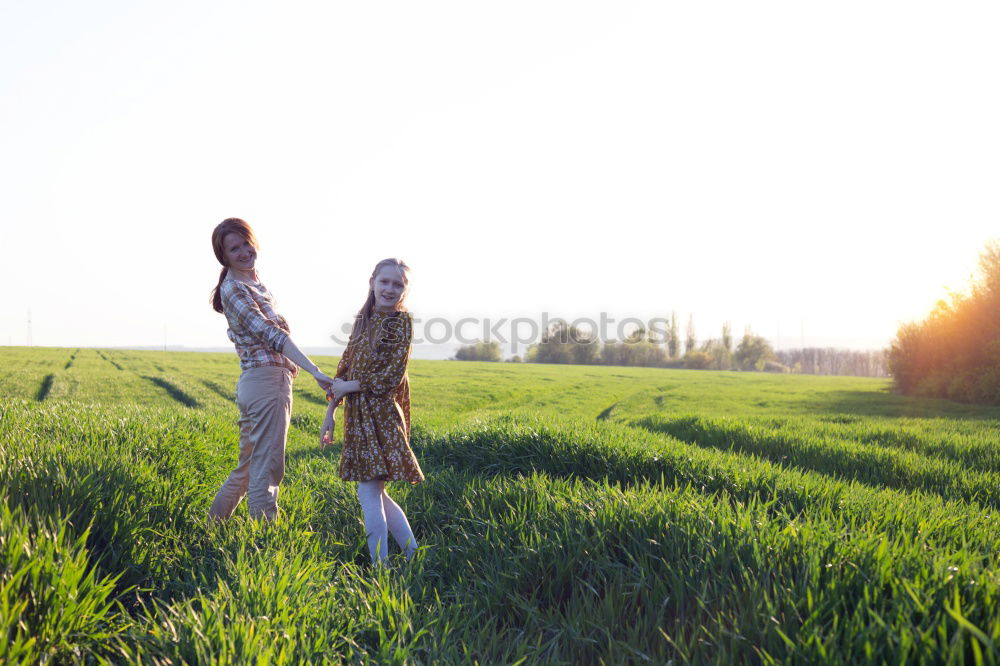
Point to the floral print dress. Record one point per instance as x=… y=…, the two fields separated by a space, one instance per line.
x=377 y=418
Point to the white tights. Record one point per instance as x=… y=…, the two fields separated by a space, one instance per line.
x=383 y=515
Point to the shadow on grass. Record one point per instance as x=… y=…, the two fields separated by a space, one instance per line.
x=606 y=414
x=496 y=449
x=493 y=450
x=118 y=367
x=851 y=404
x=844 y=460
x=43 y=390
x=743 y=469
x=309 y=397
x=219 y=391
x=174 y=392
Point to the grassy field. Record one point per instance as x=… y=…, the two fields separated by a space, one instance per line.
x=570 y=515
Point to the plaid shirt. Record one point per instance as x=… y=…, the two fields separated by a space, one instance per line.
x=258 y=332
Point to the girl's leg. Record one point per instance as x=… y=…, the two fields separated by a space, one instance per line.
x=398 y=526
x=370 y=496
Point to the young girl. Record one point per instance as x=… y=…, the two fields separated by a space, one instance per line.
x=371 y=379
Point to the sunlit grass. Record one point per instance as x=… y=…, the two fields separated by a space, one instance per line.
x=570 y=514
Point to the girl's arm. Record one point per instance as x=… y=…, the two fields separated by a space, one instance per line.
x=386 y=378
x=344 y=364
x=326 y=434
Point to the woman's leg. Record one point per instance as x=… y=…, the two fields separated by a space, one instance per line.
x=270 y=408
x=370 y=496
x=398 y=526
x=235 y=487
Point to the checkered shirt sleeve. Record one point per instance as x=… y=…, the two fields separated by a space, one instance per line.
x=258 y=332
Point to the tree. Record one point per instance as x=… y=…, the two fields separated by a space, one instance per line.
x=753 y=352
x=830 y=361
x=689 y=340
x=719 y=357
x=955 y=352
x=727 y=336
x=697 y=360
x=562 y=343
x=673 y=336
x=480 y=351
x=639 y=348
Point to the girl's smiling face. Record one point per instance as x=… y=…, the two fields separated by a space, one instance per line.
x=238 y=251
x=389 y=287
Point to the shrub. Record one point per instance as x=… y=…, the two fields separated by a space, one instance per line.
x=955 y=351
x=697 y=360
x=481 y=351
x=562 y=343
x=752 y=352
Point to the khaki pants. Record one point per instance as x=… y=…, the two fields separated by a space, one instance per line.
x=264 y=396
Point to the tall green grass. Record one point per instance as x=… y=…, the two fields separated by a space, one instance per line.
x=570 y=515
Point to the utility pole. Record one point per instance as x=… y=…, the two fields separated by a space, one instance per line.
x=29 y=327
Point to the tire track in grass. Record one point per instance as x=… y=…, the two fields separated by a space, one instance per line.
x=309 y=397
x=614 y=407
x=174 y=392
x=120 y=368
x=606 y=414
x=218 y=390
x=46 y=386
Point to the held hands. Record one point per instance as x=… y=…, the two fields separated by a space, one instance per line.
x=339 y=389
x=323 y=380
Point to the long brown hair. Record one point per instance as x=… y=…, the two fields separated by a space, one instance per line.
x=228 y=226
x=368 y=309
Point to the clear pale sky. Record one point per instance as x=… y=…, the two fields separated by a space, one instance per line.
x=818 y=171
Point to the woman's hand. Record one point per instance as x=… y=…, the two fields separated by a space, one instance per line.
x=323 y=380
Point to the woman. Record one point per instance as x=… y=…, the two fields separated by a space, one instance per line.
x=372 y=377
x=268 y=359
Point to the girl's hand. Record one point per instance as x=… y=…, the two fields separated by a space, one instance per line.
x=339 y=389
x=326 y=433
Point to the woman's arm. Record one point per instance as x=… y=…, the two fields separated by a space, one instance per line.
x=295 y=355
x=237 y=301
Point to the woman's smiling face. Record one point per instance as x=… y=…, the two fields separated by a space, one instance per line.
x=239 y=253
x=389 y=286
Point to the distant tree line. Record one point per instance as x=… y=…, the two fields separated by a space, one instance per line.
x=830 y=361
x=481 y=351
x=955 y=352
x=564 y=343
